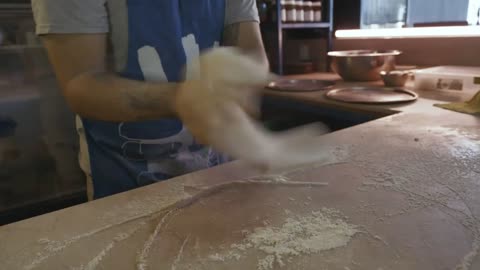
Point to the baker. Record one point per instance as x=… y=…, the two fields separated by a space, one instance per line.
x=130 y=134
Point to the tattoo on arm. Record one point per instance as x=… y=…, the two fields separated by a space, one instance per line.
x=146 y=101
x=140 y=102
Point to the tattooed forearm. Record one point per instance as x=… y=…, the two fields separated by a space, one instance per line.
x=149 y=99
x=140 y=101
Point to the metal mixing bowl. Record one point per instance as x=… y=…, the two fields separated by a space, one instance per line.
x=362 y=65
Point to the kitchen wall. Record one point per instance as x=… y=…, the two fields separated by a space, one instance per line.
x=423 y=52
x=418 y=52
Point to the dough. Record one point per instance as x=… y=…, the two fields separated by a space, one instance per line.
x=215 y=104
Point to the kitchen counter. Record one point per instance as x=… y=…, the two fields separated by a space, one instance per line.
x=400 y=192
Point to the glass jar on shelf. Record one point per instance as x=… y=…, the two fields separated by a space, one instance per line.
x=317 y=11
x=309 y=15
x=300 y=15
x=283 y=11
x=290 y=10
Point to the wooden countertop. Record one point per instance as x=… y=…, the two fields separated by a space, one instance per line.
x=409 y=183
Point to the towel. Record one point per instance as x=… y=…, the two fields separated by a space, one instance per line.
x=470 y=107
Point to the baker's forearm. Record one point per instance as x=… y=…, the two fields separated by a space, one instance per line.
x=247 y=37
x=108 y=97
x=93 y=92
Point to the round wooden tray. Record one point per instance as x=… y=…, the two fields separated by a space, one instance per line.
x=372 y=95
x=293 y=85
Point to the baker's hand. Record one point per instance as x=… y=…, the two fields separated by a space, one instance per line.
x=225 y=81
x=214 y=105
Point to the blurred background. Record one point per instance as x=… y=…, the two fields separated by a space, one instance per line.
x=39 y=170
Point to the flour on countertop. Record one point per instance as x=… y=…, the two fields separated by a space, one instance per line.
x=142 y=258
x=443 y=188
x=320 y=231
x=152 y=210
x=180 y=254
x=216 y=258
x=266 y=263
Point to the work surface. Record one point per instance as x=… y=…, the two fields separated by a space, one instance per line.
x=401 y=192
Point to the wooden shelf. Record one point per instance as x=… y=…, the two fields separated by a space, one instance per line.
x=306 y=25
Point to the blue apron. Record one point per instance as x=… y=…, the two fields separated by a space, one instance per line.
x=163 y=35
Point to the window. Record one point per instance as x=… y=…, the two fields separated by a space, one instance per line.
x=412 y=13
x=383 y=14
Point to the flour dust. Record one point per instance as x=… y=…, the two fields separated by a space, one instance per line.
x=320 y=231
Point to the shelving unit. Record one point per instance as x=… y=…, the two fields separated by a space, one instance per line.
x=281 y=27
x=305 y=25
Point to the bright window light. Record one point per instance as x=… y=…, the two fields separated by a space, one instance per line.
x=416 y=32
